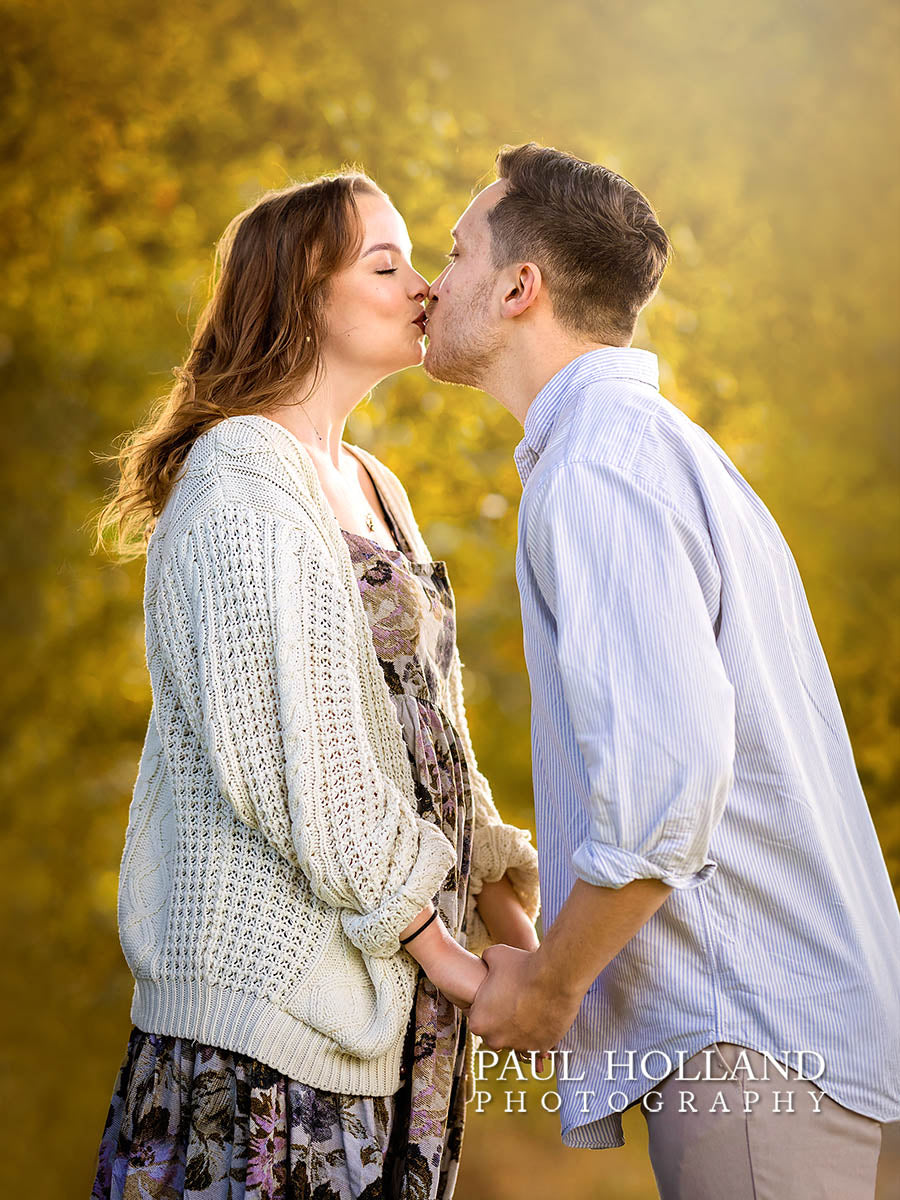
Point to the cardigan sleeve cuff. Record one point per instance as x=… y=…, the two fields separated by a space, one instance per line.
x=377 y=932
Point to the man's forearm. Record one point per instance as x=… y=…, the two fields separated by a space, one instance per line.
x=592 y=927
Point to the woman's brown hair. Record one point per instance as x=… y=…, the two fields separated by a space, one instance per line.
x=258 y=339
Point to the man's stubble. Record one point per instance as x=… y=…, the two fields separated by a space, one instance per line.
x=468 y=347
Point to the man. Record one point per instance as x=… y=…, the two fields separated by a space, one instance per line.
x=713 y=888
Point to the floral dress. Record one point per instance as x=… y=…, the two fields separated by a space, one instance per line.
x=188 y=1119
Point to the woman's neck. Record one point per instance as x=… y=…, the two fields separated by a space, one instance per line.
x=319 y=420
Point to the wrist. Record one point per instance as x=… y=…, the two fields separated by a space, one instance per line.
x=556 y=979
x=419 y=929
x=430 y=945
x=516 y=929
x=418 y=922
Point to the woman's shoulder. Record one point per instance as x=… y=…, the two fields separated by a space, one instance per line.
x=251 y=436
x=380 y=470
x=393 y=491
x=245 y=462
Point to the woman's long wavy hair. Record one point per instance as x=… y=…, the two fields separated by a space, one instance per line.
x=257 y=342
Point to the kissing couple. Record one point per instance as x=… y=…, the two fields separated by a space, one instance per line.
x=319 y=901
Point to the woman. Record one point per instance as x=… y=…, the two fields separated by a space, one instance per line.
x=311 y=854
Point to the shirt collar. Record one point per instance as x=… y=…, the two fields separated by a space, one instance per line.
x=609 y=362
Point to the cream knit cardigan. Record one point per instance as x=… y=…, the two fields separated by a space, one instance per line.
x=273 y=851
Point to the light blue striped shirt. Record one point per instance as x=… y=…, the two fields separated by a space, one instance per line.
x=685 y=727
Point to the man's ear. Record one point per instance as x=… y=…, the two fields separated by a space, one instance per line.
x=522 y=290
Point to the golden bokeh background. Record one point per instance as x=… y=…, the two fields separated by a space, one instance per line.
x=765 y=136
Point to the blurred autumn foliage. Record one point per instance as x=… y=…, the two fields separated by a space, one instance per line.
x=764 y=135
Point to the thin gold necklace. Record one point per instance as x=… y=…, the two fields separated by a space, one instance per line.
x=370 y=516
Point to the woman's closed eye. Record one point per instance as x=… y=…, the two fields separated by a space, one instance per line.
x=386 y=271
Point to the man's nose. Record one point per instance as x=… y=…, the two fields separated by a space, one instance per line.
x=434 y=288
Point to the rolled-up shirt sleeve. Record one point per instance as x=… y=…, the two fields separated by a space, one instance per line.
x=632 y=590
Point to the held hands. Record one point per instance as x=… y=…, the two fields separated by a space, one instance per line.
x=463 y=978
x=517 y=1006
x=453 y=969
x=513 y=930
x=531 y=1000
x=509 y=1002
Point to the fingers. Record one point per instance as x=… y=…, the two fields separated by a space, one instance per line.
x=486 y=955
x=536 y=1057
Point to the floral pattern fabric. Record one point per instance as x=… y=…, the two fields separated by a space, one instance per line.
x=196 y=1121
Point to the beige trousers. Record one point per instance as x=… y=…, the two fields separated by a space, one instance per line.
x=757 y=1149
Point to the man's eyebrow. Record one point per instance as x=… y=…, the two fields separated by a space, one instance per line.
x=454 y=233
x=382 y=246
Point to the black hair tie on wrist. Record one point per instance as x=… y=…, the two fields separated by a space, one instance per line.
x=403 y=941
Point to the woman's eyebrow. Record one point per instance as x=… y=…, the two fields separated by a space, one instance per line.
x=382 y=246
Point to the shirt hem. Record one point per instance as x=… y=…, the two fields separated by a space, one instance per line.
x=615 y=1138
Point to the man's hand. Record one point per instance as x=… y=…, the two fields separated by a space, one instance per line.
x=516 y=1007
x=529 y=1001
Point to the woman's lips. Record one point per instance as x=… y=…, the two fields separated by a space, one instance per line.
x=421 y=320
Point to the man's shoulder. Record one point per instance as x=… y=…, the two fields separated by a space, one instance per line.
x=640 y=442
x=629 y=428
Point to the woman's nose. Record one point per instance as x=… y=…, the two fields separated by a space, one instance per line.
x=421 y=286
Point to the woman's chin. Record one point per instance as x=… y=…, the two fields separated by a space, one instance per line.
x=410 y=355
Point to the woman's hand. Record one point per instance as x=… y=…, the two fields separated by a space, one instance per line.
x=459 y=976
x=453 y=970
x=505 y=918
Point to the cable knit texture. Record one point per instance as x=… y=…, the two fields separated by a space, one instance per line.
x=274 y=852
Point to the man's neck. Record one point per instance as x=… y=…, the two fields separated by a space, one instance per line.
x=519 y=374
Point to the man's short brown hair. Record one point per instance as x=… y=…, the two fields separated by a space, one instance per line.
x=594 y=236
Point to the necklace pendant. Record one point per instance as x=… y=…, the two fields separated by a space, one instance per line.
x=370 y=523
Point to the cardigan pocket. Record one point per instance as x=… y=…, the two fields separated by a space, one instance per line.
x=297 y=1001
x=364 y=1005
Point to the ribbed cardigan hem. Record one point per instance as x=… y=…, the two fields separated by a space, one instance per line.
x=245 y=1024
